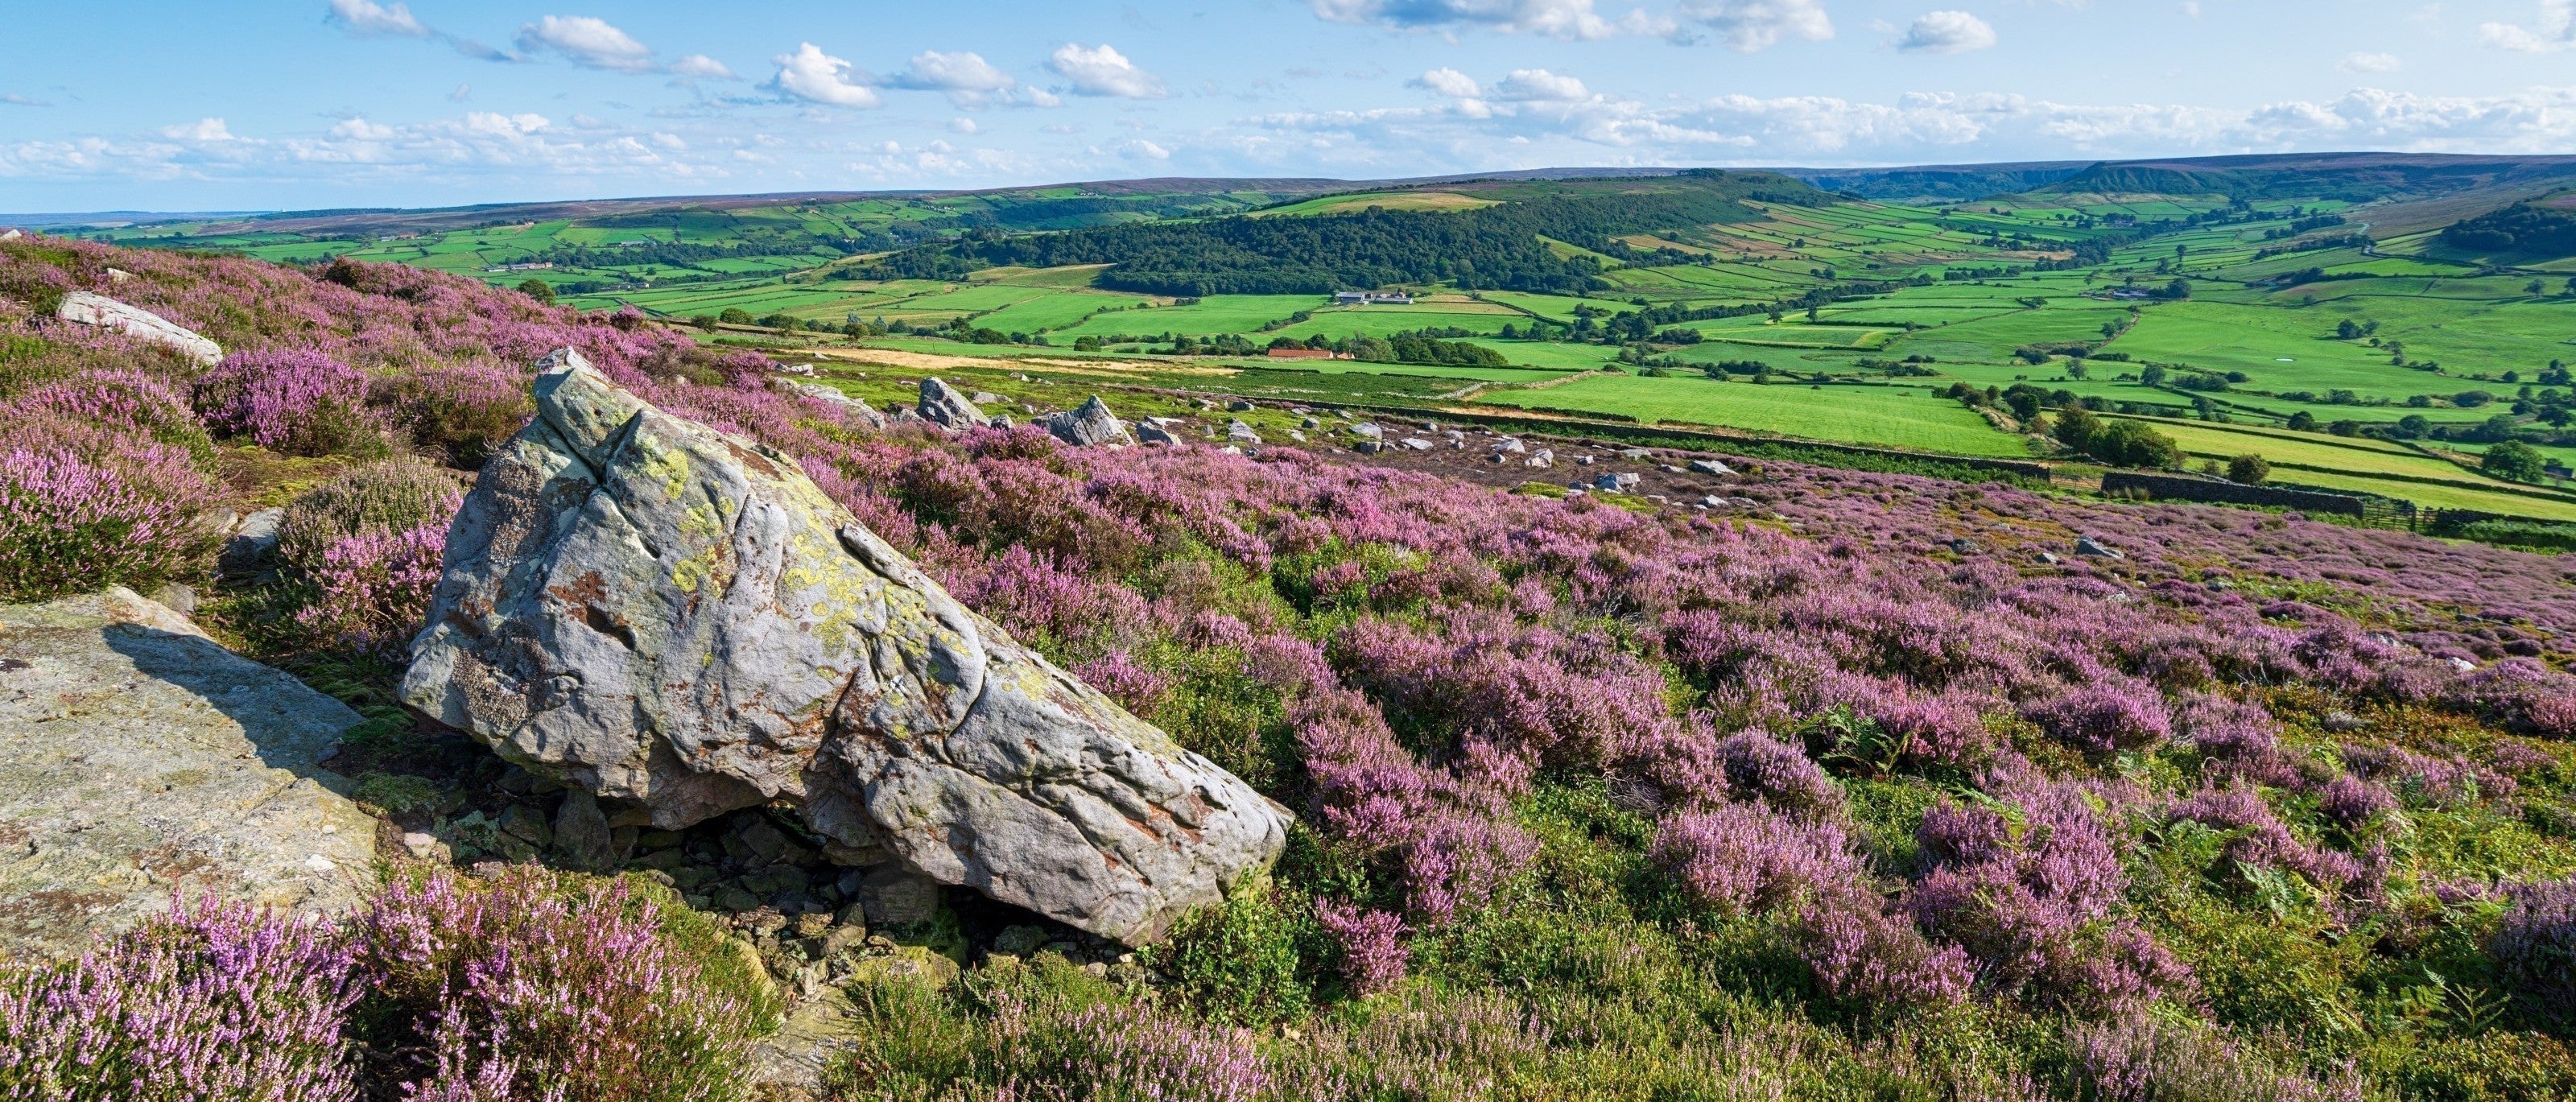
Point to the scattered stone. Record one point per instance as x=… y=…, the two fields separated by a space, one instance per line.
x=523 y=823
x=2089 y=547
x=1710 y=467
x=1507 y=444
x=2048 y=558
x=1417 y=443
x=120 y=275
x=940 y=405
x=1542 y=458
x=1152 y=432
x=1019 y=941
x=1238 y=406
x=1367 y=430
x=600 y=620
x=1089 y=424
x=425 y=847
x=2463 y=665
x=986 y=398
x=1638 y=454
x=1668 y=468
x=1368 y=447
x=1310 y=423
x=1230 y=450
x=178 y=597
x=1583 y=460
x=1965 y=546
x=1241 y=433
x=84 y=308
x=142 y=759
x=581 y=835
x=1298 y=435
x=11 y=234
x=1616 y=482
x=251 y=544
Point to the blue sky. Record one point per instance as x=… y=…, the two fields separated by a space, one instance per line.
x=327 y=103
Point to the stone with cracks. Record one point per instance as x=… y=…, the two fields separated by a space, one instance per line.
x=1088 y=424
x=941 y=403
x=679 y=620
x=133 y=321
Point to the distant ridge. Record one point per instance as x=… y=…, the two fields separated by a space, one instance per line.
x=2360 y=176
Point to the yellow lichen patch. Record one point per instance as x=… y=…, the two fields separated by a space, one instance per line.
x=662 y=463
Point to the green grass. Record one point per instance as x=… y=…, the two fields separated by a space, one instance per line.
x=1214 y=315
x=1900 y=417
x=2350 y=464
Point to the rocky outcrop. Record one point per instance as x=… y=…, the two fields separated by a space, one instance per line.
x=1088 y=424
x=107 y=313
x=941 y=404
x=677 y=619
x=139 y=758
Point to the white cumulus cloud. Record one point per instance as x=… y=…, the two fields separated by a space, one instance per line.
x=1103 y=71
x=701 y=67
x=588 y=40
x=965 y=76
x=1449 y=82
x=1567 y=19
x=2369 y=63
x=202 y=130
x=1751 y=25
x=812 y=75
x=366 y=17
x=2557 y=30
x=1947 y=32
x=1541 y=85
x=1138 y=149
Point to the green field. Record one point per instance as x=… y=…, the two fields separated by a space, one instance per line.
x=1899 y=417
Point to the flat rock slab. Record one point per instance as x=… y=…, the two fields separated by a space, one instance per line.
x=138 y=757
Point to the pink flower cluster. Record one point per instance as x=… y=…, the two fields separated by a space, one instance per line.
x=214 y=1001
x=373 y=589
x=296 y=401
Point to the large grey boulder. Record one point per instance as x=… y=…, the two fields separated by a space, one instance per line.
x=941 y=403
x=1088 y=424
x=106 y=313
x=139 y=759
x=677 y=619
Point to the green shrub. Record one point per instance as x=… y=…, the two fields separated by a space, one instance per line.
x=393 y=496
x=1237 y=961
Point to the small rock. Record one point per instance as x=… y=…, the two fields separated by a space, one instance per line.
x=2048 y=558
x=525 y=824
x=581 y=832
x=178 y=598
x=733 y=898
x=2091 y=548
x=1668 y=468
x=1418 y=444
x=1368 y=447
x=892 y=897
x=1238 y=406
x=2463 y=665
x=1965 y=546
x=1019 y=940
x=1310 y=423
x=1638 y=454
x=424 y=847
x=941 y=404
x=1583 y=460
x=1241 y=433
x=1710 y=467
x=1298 y=435
x=252 y=543
x=986 y=398
x=1367 y=430
x=1090 y=423
x=1151 y=433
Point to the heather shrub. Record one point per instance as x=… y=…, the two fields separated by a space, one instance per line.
x=296 y=402
x=1237 y=961
x=70 y=524
x=2145 y=1058
x=124 y=401
x=1780 y=774
x=392 y=497
x=1874 y=960
x=212 y=1002
x=561 y=989
x=2535 y=948
x=371 y=591
x=463 y=410
x=1747 y=859
x=1371 y=945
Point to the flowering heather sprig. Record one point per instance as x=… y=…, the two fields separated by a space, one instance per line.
x=1124 y=1050
x=1372 y=944
x=2349 y=801
x=372 y=589
x=124 y=401
x=298 y=402
x=2535 y=949
x=215 y=1003
x=69 y=524
x=569 y=984
x=2141 y=1058
x=1745 y=858
x=1864 y=955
